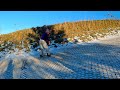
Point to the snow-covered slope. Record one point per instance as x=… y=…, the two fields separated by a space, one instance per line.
x=68 y=61
x=52 y=48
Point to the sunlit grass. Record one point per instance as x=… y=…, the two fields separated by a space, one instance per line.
x=83 y=29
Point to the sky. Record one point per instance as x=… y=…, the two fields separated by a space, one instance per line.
x=11 y=21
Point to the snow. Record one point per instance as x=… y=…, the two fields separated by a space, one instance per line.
x=54 y=50
x=33 y=55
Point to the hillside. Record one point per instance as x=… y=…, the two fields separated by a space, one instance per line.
x=86 y=30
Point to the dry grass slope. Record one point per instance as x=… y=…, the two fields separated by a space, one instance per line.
x=83 y=29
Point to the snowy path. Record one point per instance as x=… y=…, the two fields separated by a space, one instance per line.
x=84 y=61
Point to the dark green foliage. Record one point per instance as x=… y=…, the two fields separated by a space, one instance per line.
x=59 y=40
